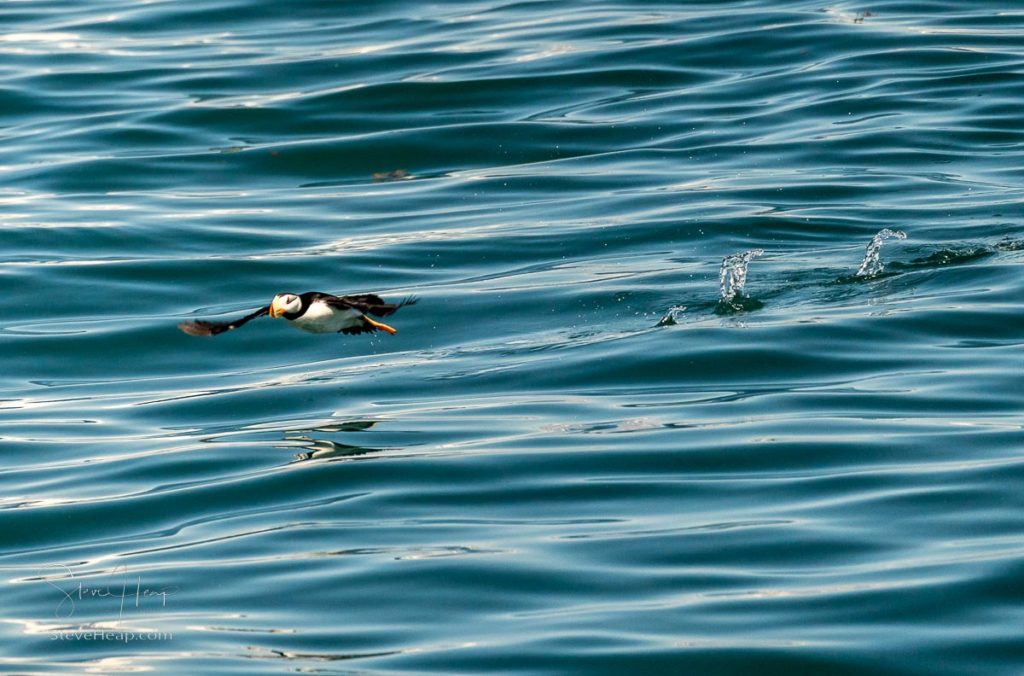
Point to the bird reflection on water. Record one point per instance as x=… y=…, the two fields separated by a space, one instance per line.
x=321 y=448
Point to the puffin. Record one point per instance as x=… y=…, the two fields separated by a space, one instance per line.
x=315 y=312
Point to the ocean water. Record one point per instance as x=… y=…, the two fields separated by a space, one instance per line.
x=574 y=456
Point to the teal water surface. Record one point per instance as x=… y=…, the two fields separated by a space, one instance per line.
x=572 y=458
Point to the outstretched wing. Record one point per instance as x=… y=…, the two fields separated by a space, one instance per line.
x=205 y=328
x=368 y=303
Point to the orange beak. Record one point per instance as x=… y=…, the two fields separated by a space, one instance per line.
x=274 y=312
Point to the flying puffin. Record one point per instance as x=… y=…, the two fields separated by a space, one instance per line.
x=315 y=312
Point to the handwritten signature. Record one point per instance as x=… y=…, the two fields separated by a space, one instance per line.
x=129 y=593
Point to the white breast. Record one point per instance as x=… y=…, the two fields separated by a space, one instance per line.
x=322 y=318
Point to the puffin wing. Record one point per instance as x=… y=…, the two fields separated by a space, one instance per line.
x=205 y=328
x=367 y=303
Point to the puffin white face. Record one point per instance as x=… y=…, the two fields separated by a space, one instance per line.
x=284 y=303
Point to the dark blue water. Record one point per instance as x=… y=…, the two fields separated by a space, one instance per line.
x=572 y=458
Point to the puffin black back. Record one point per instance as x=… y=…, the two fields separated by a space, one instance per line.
x=368 y=303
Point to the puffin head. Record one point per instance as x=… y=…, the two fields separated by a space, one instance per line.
x=284 y=303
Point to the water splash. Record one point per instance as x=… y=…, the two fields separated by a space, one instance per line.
x=872 y=264
x=673 y=316
x=732 y=276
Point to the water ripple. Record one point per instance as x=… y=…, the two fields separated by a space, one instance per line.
x=573 y=457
